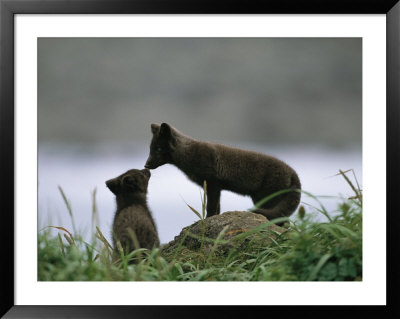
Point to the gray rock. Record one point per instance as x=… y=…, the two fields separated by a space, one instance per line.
x=232 y=228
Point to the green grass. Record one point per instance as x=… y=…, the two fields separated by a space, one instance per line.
x=307 y=251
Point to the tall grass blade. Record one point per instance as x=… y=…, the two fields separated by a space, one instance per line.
x=194 y=211
x=100 y=236
x=260 y=227
x=66 y=201
x=61 y=244
x=269 y=197
x=70 y=240
x=206 y=239
x=60 y=228
x=95 y=215
x=318 y=267
x=178 y=250
x=213 y=249
x=355 y=178
x=204 y=203
x=136 y=244
x=358 y=194
x=322 y=210
x=339 y=228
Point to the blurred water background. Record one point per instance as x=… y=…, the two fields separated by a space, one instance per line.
x=299 y=99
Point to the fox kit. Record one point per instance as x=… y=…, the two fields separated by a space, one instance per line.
x=226 y=168
x=132 y=212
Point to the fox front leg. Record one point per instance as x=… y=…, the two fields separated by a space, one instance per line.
x=213 y=199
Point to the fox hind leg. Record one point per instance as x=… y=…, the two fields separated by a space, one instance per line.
x=281 y=206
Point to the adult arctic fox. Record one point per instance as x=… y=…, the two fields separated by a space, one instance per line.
x=226 y=168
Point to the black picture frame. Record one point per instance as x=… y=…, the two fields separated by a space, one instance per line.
x=8 y=8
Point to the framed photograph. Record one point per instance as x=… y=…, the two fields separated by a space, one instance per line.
x=99 y=98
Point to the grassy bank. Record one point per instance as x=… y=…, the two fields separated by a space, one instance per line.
x=307 y=250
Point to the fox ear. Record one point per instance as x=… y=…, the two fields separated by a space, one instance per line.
x=113 y=185
x=165 y=130
x=155 y=128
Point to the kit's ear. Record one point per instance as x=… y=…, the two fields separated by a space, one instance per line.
x=165 y=130
x=155 y=128
x=113 y=185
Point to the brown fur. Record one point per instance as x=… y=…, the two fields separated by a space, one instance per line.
x=226 y=168
x=132 y=212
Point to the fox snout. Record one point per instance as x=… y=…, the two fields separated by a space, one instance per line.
x=146 y=172
x=150 y=163
x=147 y=166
